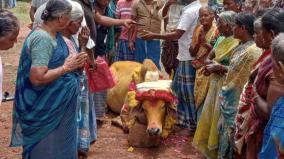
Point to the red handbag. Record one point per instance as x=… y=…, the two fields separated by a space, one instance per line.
x=101 y=77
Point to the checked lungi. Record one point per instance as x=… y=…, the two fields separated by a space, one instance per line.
x=183 y=87
x=123 y=53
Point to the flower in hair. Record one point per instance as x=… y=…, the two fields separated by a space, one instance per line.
x=45 y=12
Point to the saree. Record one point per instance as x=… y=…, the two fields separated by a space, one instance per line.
x=201 y=81
x=110 y=12
x=238 y=73
x=273 y=138
x=86 y=116
x=112 y=31
x=206 y=135
x=87 y=125
x=44 y=118
x=256 y=123
x=245 y=104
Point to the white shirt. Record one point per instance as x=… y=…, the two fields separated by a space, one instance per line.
x=187 y=23
x=174 y=14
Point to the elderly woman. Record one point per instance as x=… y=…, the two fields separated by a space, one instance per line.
x=203 y=40
x=242 y=60
x=253 y=110
x=44 y=116
x=206 y=135
x=9 y=30
x=86 y=110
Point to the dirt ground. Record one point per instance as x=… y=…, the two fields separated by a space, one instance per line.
x=111 y=142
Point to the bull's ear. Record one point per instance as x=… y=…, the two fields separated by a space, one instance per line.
x=170 y=120
x=170 y=109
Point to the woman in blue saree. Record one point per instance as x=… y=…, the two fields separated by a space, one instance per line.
x=44 y=115
x=87 y=128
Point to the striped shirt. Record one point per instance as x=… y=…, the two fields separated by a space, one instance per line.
x=123 y=11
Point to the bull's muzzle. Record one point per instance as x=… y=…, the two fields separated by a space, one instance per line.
x=154 y=131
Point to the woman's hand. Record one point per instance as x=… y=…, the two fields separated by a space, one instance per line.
x=40 y=75
x=84 y=36
x=213 y=67
x=91 y=59
x=208 y=69
x=75 y=61
x=207 y=61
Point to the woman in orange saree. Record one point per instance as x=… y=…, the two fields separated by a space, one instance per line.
x=203 y=40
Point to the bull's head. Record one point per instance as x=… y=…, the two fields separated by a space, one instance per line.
x=155 y=112
x=156 y=106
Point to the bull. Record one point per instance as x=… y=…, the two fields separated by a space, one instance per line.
x=148 y=111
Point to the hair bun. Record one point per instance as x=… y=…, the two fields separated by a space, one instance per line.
x=44 y=15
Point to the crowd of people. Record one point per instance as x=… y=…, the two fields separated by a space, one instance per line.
x=226 y=60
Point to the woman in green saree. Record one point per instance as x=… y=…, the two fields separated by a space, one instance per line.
x=206 y=135
x=241 y=64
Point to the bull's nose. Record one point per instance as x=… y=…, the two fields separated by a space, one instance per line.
x=154 y=131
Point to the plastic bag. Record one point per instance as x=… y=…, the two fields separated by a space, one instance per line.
x=101 y=77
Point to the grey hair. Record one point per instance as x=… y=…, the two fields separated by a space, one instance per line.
x=77 y=11
x=278 y=48
x=210 y=9
x=8 y=23
x=55 y=9
x=228 y=17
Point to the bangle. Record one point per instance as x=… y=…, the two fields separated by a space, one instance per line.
x=64 y=69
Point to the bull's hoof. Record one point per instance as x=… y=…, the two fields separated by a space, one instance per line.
x=118 y=123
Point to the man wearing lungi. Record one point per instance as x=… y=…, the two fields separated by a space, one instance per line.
x=183 y=84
